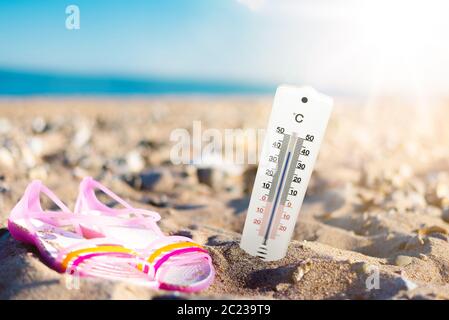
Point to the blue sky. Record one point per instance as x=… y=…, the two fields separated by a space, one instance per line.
x=345 y=45
x=197 y=38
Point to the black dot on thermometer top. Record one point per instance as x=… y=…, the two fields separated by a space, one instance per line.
x=304 y=100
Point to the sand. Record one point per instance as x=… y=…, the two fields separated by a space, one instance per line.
x=377 y=203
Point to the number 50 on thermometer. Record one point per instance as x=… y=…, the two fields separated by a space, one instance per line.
x=295 y=129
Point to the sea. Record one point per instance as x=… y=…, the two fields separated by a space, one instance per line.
x=29 y=83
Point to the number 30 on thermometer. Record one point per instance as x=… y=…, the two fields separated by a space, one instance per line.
x=295 y=129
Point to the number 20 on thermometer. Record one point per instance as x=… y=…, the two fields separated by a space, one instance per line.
x=295 y=129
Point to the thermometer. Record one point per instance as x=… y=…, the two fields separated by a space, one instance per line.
x=295 y=129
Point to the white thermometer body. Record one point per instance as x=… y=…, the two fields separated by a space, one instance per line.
x=295 y=129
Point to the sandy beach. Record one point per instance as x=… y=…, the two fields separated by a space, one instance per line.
x=378 y=200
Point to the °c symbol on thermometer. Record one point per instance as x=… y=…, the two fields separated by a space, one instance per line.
x=299 y=117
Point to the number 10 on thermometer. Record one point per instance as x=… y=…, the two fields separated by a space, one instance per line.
x=295 y=129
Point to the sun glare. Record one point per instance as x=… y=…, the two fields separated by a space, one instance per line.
x=402 y=25
x=402 y=35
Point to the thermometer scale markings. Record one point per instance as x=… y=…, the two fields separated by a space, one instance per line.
x=285 y=170
x=276 y=200
x=300 y=116
x=291 y=172
x=274 y=187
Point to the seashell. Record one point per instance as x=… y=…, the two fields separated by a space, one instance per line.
x=5 y=126
x=47 y=145
x=79 y=172
x=390 y=236
x=304 y=267
x=402 y=261
x=38 y=173
x=281 y=287
x=39 y=125
x=397 y=181
x=6 y=158
x=445 y=202
x=28 y=157
x=426 y=231
x=298 y=274
x=438 y=190
x=135 y=161
x=442 y=190
x=366 y=267
x=362 y=267
x=423 y=257
x=416 y=200
x=82 y=135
